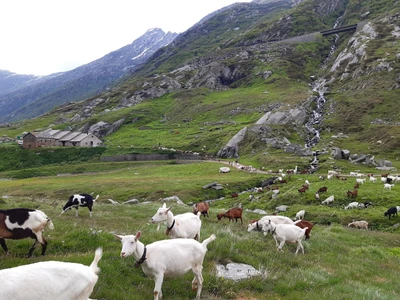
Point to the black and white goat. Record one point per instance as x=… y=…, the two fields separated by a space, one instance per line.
x=19 y=223
x=76 y=200
x=50 y=280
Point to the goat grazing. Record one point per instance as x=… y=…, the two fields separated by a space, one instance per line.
x=257 y=225
x=304 y=224
x=167 y=257
x=359 y=224
x=233 y=213
x=328 y=200
x=185 y=225
x=285 y=233
x=50 y=280
x=84 y=200
x=323 y=189
x=351 y=205
x=201 y=207
x=352 y=194
x=391 y=211
x=19 y=223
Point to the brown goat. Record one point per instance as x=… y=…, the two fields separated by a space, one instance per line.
x=304 y=224
x=202 y=207
x=303 y=189
x=323 y=189
x=233 y=213
x=352 y=194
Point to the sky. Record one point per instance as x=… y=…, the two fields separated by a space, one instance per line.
x=42 y=37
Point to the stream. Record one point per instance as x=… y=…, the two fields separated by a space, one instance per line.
x=316 y=116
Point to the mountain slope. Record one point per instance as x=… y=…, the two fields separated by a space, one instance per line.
x=240 y=94
x=81 y=83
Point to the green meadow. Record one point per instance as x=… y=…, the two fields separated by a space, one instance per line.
x=339 y=262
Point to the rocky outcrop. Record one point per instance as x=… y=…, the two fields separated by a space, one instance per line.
x=231 y=149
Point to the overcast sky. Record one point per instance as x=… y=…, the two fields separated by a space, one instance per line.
x=41 y=37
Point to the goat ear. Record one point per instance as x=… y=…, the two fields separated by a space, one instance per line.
x=138 y=235
x=118 y=237
x=164 y=205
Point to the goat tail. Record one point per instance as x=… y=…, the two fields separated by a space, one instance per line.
x=96 y=198
x=209 y=240
x=97 y=256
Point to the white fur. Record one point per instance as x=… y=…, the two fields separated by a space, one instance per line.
x=328 y=200
x=388 y=186
x=186 y=225
x=273 y=218
x=282 y=233
x=359 y=224
x=168 y=258
x=300 y=214
x=352 y=205
x=361 y=180
x=50 y=280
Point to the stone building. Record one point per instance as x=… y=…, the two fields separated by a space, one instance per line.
x=60 y=138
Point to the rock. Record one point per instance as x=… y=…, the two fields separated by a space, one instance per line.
x=231 y=149
x=346 y=154
x=132 y=201
x=337 y=153
x=173 y=198
x=385 y=163
x=207 y=186
x=224 y=170
x=236 y=272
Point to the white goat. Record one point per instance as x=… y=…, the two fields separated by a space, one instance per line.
x=328 y=200
x=359 y=224
x=361 y=180
x=50 y=280
x=185 y=225
x=387 y=186
x=352 y=205
x=282 y=233
x=372 y=179
x=300 y=214
x=167 y=257
x=276 y=219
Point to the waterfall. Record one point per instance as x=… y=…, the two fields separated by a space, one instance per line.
x=316 y=116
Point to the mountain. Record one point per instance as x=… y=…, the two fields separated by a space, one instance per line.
x=254 y=80
x=10 y=82
x=28 y=96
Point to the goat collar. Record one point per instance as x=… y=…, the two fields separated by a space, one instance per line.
x=142 y=259
x=258 y=227
x=274 y=230
x=173 y=224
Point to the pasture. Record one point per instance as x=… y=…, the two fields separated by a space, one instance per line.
x=339 y=262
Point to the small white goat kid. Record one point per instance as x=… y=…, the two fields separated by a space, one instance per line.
x=167 y=258
x=50 y=280
x=185 y=225
x=285 y=233
x=300 y=214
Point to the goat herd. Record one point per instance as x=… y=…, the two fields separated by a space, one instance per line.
x=173 y=257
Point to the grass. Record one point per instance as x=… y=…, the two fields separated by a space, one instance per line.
x=340 y=262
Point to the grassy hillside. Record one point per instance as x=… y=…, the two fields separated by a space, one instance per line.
x=339 y=262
